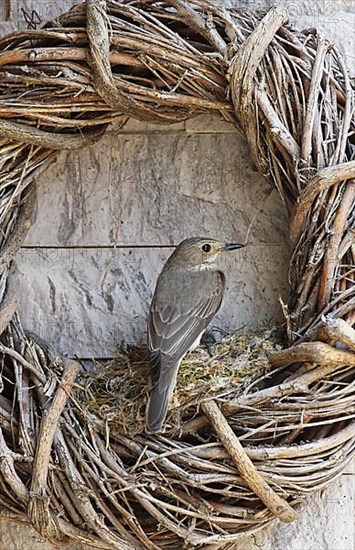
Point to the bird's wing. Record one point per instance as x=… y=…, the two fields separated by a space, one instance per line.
x=171 y=331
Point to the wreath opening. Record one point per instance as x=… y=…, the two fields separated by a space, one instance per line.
x=237 y=461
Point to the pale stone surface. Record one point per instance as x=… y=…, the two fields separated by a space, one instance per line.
x=85 y=302
x=156 y=189
x=326 y=522
x=146 y=189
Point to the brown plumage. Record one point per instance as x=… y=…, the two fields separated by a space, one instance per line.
x=188 y=294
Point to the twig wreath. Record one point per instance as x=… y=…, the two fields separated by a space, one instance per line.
x=237 y=463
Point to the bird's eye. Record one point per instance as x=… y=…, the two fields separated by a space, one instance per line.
x=206 y=248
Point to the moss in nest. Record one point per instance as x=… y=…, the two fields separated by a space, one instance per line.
x=117 y=392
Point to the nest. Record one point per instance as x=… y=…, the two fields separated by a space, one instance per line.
x=233 y=457
x=117 y=392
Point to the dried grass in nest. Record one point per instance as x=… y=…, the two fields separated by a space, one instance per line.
x=236 y=461
x=117 y=392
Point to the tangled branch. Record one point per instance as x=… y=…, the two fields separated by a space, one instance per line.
x=242 y=459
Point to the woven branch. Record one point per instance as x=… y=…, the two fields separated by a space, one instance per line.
x=238 y=461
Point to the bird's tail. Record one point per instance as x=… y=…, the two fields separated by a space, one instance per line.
x=157 y=408
x=159 y=398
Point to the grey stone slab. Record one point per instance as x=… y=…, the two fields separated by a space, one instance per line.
x=154 y=189
x=6 y=26
x=133 y=126
x=205 y=124
x=84 y=302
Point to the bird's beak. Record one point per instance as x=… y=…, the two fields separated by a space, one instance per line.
x=231 y=246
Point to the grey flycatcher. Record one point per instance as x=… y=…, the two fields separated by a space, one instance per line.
x=187 y=295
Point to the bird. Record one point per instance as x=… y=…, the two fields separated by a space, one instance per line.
x=188 y=293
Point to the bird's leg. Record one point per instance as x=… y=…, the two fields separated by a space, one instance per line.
x=209 y=339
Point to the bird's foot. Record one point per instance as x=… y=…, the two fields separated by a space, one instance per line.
x=209 y=339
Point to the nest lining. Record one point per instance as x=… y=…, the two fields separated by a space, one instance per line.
x=117 y=392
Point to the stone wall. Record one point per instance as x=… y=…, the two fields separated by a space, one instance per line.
x=107 y=219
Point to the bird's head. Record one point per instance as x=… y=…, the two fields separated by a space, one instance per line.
x=200 y=252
